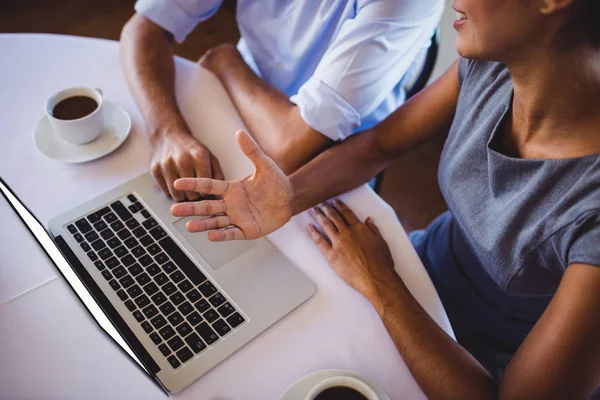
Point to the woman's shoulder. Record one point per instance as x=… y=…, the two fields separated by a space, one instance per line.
x=471 y=71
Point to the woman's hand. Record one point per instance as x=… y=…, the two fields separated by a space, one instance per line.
x=248 y=208
x=356 y=251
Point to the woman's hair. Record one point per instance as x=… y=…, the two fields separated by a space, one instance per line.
x=589 y=14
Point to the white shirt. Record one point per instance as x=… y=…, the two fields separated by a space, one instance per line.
x=343 y=63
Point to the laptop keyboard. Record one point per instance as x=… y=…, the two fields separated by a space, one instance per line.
x=173 y=301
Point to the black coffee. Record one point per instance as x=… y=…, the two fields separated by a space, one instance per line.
x=74 y=107
x=340 y=393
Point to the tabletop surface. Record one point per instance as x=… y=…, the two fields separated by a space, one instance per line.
x=51 y=347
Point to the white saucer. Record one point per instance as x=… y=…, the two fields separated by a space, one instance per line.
x=302 y=386
x=117 y=125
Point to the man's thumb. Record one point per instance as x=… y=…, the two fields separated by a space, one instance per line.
x=251 y=149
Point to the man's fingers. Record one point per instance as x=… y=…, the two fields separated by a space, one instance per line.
x=205 y=207
x=253 y=151
x=202 y=185
x=231 y=233
x=325 y=223
x=160 y=181
x=346 y=212
x=217 y=171
x=372 y=227
x=318 y=238
x=171 y=176
x=334 y=216
x=201 y=225
x=186 y=170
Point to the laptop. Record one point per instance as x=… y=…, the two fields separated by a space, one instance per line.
x=175 y=302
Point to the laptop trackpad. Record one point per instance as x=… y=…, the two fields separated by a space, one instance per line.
x=217 y=254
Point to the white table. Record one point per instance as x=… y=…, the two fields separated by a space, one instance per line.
x=51 y=348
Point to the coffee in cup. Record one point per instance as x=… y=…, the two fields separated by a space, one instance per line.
x=340 y=393
x=342 y=388
x=75 y=114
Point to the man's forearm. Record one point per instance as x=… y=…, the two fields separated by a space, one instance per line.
x=442 y=368
x=149 y=67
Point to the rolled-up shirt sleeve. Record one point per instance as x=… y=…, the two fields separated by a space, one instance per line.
x=179 y=17
x=365 y=62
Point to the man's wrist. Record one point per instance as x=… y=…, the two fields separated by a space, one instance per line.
x=385 y=292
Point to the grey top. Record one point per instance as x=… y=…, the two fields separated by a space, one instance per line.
x=524 y=220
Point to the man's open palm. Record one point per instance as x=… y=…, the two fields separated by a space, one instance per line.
x=249 y=208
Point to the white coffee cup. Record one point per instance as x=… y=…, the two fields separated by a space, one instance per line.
x=82 y=130
x=346 y=381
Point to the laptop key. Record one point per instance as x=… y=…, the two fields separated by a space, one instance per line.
x=146 y=214
x=177 y=298
x=185 y=354
x=235 y=320
x=112 y=262
x=158 y=233
x=139 y=232
x=122 y=295
x=184 y=286
x=153 y=269
x=93 y=218
x=146 y=240
x=211 y=316
x=138 y=251
x=110 y=217
x=164 y=349
x=131 y=198
x=226 y=310
x=143 y=279
x=103 y=211
x=175 y=319
x=138 y=206
x=83 y=226
x=117 y=226
x=182 y=260
x=130 y=242
x=126 y=281
x=193 y=295
x=100 y=226
x=155 y=338
x=99 y=265
x=150 y=311
x=124 y=234
x=107 y=275
x=202 y=305
x=158 y=298
x=119 y=272
x=107 y=234
x=135 y=269
x=145 y=260
x=207 y=289
x=177 y=276
x=195 y=343
x=167 y=332
x=114 y=284
x=133 y=208
x=85 y=247
x=184 y=329
x=132 y=223
x=105 y=253
x=128 y=260
x=129 y=304
x=149 y=223
x=221 y=327
x=175 y=343
x=167 y=308
x=121 y=251
x=217 y=300
x=194 y=318
x=173 y=361
x=98 y=245
x=147 y=327
x=134 y=291
x=142 y=301
x=207 y=333
x=169 y=267
x=161 y=278
x=151 y=288
x=78 y=237
x=161 y=258
x=153 y=249
x=92 y=255
x=185 y=308
x=139 y=317
x=158 y=322
x=91 y=236
x=121 y=211
x=71 y=228
x=169 y=288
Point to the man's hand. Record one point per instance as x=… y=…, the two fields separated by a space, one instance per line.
x=180 y=155
x=356 y=251
x=249 y=208
x=220 y=57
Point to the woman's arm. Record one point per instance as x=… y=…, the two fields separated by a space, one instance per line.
x=559 y=359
